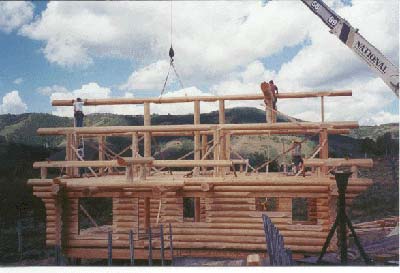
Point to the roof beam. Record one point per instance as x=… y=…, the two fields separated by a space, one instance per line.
x=287 y=95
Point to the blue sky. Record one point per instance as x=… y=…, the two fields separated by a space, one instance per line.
x=119 y=49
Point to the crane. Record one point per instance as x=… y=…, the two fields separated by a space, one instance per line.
x=357 y=43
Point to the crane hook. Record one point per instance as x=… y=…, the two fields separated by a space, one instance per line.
x=171 y=53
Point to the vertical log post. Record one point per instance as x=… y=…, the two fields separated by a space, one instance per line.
x=58 y=220
x=324 y=153
x=354 y=170
x=146 y=213
x=162 y=244
x=216 y=149
x=43 y=172
x=197 y=209
x=204 y=140
x=228 y=146
x=322 y=109
x=68 y=154
x=150 y=247
x=132 y=247
x=135 y=149
x=147 y=135
x=196 y=120
x=222 y=140
x=109 y=241
x=101 y=140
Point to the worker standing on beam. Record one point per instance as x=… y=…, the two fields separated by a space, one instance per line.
x=78 y=112
x=274 y=90
x=297 y=158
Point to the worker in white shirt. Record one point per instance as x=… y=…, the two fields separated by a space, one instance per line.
x=78 y=112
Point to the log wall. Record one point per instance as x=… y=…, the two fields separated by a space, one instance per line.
x=229 y=219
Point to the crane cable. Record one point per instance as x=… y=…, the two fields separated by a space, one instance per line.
x=171 y=54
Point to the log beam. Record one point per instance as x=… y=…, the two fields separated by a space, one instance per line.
x=285 y=95
x=201 y=127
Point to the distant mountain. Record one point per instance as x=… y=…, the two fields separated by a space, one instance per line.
x=373 y=132
x=22 y=128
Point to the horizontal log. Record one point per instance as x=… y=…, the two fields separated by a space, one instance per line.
x=192 y=163
x=246 y=232
x=124 y=161
x=294 y=189
x=236 y=207
x=246 y=220
x=290 y=125
x=130 y=207
x=119 y=101
x=248 y=226
x=271 y=214
x=197 y=127
x=245 y=239
x=339 y=162
x=109 y=194
x=88 y=163
x=262 y=180
x=242 y=246
x=289 y=132
x=235 y=132
x=39 y=182
x=198 y=245
x=230 y=201
x=105 y=183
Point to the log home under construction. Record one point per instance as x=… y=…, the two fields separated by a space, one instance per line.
x=229 y=196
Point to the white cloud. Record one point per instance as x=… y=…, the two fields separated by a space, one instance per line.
x=18 y=81
x=13 y=104
x=184 y=108
x=14 y=14
x=48 y=90
x=216 y=38
x=149 y=77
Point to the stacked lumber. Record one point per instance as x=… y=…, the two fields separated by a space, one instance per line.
x=385 y=224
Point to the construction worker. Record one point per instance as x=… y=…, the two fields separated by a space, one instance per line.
x=78 y=112
x=296 y=156
x=274 y=90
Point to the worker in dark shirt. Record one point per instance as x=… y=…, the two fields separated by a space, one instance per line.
x=296 y=156
x=274 y=90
